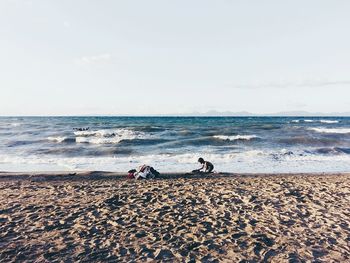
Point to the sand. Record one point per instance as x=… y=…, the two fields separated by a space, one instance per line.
x=178 y=218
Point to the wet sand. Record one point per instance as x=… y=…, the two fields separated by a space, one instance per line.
x=178 y=218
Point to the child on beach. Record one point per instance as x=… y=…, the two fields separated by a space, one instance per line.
x=207 y=167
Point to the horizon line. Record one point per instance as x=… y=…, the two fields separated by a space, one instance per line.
x=174 y=115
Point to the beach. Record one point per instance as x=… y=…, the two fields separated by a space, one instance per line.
x=100 y=216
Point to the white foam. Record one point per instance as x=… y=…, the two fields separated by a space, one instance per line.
x=329 y=121
x=309 y=121
x=235 y=137
x=253 y=161
x=57 y=139
x=296 y=121
x=328 y=130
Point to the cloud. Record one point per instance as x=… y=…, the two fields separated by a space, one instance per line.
x=299 y=84
x=97 y=59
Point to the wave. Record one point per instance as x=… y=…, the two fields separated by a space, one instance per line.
x=150 y=129
x=303 y=140
x=20 y=143
x=108 y=136
x=107 y=133
x=98 y=140
x=307 y=120
x=321 y=121
x=333 y=130
x=333 y=150
x=212 y=141
x=329 y=121
x=235 y=137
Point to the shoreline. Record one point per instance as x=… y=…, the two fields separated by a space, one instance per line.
x=108 y=175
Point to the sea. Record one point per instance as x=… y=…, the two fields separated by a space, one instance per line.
x=174 y=144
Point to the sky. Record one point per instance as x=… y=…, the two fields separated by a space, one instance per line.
x=93 y=57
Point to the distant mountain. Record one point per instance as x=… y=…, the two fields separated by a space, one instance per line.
x=218 y=113
x=249 y=114
x=305 y=113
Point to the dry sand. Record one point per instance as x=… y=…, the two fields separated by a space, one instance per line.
x=218 y=218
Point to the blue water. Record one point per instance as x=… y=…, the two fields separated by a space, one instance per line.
x=233 y=144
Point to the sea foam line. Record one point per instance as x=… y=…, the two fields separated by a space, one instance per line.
x=329 y=121
x=251 y=161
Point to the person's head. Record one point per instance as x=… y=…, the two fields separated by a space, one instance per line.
x=201 y=160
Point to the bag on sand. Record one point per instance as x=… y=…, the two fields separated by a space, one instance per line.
x=154 y=172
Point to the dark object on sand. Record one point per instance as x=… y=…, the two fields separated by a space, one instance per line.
x=155 y=172
x=81 y=129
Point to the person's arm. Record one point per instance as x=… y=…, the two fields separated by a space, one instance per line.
x=198 y=170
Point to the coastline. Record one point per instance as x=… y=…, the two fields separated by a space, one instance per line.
x=109 y=175
x=102 y=216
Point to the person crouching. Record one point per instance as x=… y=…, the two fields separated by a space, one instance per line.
x=207 y=167
x=144 y=172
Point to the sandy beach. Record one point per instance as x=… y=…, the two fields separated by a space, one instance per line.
x=178 y=218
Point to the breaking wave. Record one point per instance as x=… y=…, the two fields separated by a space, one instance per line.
x=311 y=121
x=329 y=130
x=329 y=121
x=108 y=136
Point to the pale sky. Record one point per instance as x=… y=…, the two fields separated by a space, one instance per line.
x=78 y=57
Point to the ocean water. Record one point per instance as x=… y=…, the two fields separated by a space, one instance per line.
x=173 y=144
